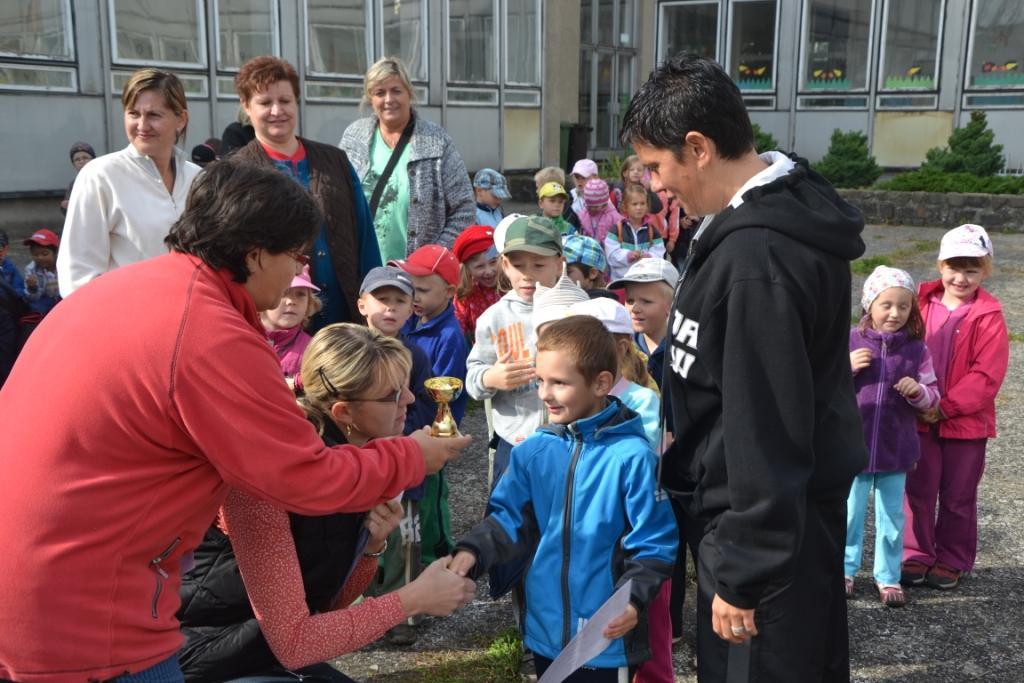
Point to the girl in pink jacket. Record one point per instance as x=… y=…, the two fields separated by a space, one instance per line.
x=598 y=216
x=966 y=334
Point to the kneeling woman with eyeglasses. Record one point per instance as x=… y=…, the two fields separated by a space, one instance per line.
x=301 y=573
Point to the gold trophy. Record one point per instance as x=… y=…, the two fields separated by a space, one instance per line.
x=444 y=390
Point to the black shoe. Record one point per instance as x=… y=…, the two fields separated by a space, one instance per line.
x=913 y=573
x=401 y=635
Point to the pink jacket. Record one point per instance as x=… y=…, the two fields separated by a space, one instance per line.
x=599 y=225
x=134 y=406
x=981 y=353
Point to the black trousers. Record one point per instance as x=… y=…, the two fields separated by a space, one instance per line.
x=689 y=537
x=584 y=674
x=802 y=626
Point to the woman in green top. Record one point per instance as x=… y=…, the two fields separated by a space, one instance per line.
x=427 y=197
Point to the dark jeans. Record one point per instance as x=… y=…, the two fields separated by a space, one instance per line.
x=689 y=537
x=802 y=627
x=585 y=674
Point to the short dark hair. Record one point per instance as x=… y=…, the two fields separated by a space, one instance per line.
x=234 y=207
x=586 y=340
x=689 y=93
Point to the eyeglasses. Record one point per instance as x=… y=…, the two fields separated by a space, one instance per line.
x=392 y=398
x=395 y=398
x=301 y=258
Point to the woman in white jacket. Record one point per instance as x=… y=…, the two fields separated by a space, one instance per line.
x=124 y=203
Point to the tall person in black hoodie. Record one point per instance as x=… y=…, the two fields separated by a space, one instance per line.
x=767 y=433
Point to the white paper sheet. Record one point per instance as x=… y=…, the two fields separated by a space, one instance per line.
x=589 y=642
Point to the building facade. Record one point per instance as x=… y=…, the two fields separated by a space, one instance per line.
x=506 y=77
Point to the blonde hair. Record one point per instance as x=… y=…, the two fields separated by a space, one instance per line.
x=628 y=163
x=314 y=306
x=383 y=69
x=344 y=361
x=633 y=363
x=466 y=284
x=163 y=82
x=549 y=174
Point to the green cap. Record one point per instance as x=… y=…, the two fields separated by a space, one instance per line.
x=533 y=234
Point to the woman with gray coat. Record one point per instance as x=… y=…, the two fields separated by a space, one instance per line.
x=426 y=196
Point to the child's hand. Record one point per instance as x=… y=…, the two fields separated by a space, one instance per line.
x=860 y=359
x=635 y=256
x=380 y=522
x=622 y=624
x=506 y=375
x=437 y=591
x=462 y=563
x=31 y=282
x=931 y=416
x=670 y=246
x=907 y=388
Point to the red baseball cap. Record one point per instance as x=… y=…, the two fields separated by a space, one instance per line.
x=431 y=259
x=43 y=238
x=472 y=241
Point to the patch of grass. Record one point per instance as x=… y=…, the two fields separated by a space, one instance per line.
x=1017 y=336
x=864 y=266
x=498 y=663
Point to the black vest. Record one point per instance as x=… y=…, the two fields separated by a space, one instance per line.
x=222 y=637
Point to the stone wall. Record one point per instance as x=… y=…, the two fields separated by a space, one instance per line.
x=999 y=212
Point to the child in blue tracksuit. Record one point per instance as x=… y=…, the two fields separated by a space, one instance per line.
x=580 y=498
x=434 y=328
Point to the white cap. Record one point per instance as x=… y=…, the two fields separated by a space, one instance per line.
x=553 y=303
x=501 y=228
x=648 y=270
x=610 y=312
x=967 y=240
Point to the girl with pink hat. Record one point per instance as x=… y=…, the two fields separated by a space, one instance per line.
x=286 y=324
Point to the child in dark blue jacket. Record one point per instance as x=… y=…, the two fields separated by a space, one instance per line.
x=434 y=328
x=580 y=498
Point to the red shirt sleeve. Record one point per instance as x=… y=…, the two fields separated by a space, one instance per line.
x=262 y=540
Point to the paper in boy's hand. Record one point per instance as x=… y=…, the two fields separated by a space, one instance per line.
x=589 y=642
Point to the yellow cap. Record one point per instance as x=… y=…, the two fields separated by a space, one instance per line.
x=552 y=189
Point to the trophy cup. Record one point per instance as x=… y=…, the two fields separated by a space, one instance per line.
x=444 y=390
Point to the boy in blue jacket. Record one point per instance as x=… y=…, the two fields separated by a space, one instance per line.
x=434 y=328
x=580 y=498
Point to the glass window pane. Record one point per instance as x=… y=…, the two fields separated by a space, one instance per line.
x=521 y=42
x=625 y=87
x=997 y=55
x=586 y=21
x=36 y=29
x=337 y=37
x=605 y=19
x=752 y=46
x=838 y=33
x=157 y=31
x=472 y=40
x=245 y=29
x=605 y=125
x=626 y=23
x=585 y=83
x=911 y=41
x=402 y=23
x=692 y=27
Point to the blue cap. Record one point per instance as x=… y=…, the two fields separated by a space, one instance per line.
x=489 y=179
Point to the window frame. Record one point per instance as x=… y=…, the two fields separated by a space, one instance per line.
x=368 y=46
x=202 y=48
x=660 y=42
x=496 y=13
x=68 y=21
x=775 y=47
x=275 y=30
x=883 y=39
x=805 y=26
x=535 y=83
x=379 y=48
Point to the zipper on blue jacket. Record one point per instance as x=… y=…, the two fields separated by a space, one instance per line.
x=566 y=534
x=878 y=407
x=154 y=564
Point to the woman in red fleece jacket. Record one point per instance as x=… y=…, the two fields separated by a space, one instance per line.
x=160 y=392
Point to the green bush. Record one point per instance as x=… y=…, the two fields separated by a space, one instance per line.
x=931 y=180
x=610 y=169
x=847 y=162
x=764 y=141
x=971 y=150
